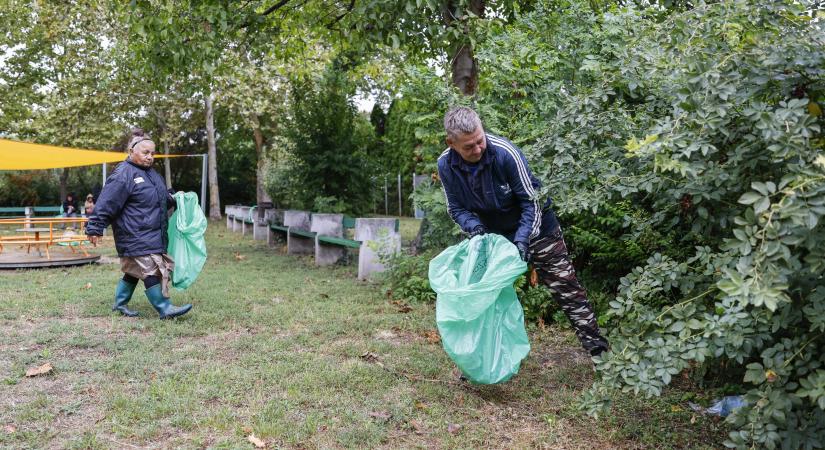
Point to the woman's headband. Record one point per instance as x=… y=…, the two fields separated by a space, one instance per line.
x=132 y=147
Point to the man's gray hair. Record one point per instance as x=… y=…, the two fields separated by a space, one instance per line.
x=460 y=120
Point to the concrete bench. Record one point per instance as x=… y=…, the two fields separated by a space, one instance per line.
x=231 y=211
x=299 y=239
x=274 y=219
x=330 y=243
x=260 y=223
x=378 y=237
x=239 y=219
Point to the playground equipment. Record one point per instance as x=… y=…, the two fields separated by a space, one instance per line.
x=43 y=233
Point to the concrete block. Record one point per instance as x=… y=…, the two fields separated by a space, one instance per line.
x=241 y=212
x=378 y=237
x=260 y=230
x=274 y=216
x=328 y=225
x=298 y=245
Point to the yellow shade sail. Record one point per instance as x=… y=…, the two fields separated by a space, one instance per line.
x=16 y=155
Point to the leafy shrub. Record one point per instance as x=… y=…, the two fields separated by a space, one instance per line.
x=707 y=123
x=407 y=277
x=726 y=157
x=330 y=204
x=328 y=141
x=537 y=301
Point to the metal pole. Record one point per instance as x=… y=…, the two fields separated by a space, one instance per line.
x=399 y=194
x=203 y=183
x=386 y=198
x=104 y=175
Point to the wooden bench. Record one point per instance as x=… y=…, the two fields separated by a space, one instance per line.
x=12 y=211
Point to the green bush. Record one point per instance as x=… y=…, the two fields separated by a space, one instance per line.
x=329 y=142
x=688 y=144
x=407 y=277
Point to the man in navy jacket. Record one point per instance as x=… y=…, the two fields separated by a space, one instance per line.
x=490 y=189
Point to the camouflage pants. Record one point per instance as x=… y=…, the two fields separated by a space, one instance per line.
x=555 y=270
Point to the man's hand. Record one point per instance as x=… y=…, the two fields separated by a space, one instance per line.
x=93 y=239
x=478 y=231
x=523 y=252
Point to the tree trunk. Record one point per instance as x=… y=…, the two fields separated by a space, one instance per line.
x=214 y=193
x=164 y=139
x=261 y=194
x=167 y=164
x=463 y=64
x=64 y=184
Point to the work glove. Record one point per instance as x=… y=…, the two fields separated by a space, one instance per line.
x=478 y=231
x=523 y=252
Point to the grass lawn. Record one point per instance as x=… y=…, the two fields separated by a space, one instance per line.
x=299 y=356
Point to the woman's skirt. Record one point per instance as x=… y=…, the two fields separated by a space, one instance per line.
x=141 y=267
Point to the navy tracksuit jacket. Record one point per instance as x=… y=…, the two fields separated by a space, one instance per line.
x=501 y=194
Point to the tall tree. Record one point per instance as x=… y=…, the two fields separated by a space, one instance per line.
x=214 y=192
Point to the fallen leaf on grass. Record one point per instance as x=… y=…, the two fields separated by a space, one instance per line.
x=255 y=441
x=401 y=306
x=432 y=336
x=382 y=415
x=417 y=426
x=453 y=428
x=420 y=405
x=42 y=370
x=9 y=429
x=369 y=357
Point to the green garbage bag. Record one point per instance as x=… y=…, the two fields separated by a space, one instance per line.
x=187 y=245
x=478 y=314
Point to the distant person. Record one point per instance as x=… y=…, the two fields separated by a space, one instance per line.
x=490 y=189
x=89 y=206
x=135 y=202
x=70 y=206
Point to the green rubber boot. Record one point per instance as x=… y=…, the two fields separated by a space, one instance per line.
x=123 y=294
x=163 y=305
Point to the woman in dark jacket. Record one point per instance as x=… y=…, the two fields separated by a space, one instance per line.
x=70 y=206
x=134 y=202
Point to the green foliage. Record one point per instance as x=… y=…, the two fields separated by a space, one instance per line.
x=329 y=205
x=537 y=301
x=407 y=277
x=437 y=230
x=728 y=158
x=688 y=143
x=617 y=237
x=328 y=139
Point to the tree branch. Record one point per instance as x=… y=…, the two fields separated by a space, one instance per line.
x=268 y=11
x=274 y=7
x=342 y=15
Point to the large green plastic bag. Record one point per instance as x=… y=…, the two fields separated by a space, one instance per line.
x=186 y=243
x=478 y=314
